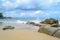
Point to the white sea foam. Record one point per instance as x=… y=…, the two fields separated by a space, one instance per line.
x=59 y=22
x=19 y=21
x=35 y=21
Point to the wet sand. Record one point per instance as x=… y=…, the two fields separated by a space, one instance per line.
x=19 y=26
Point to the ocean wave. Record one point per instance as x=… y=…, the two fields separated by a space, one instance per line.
x=35 y=21
x=19 y=21
x=59 y=22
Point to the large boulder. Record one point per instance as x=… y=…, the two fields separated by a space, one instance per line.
x=50 y=31
x=50 y=21
x=57 y=33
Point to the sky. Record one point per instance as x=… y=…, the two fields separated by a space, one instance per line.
x=30 y=8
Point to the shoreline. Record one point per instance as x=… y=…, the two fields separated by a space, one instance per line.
x=20 y=26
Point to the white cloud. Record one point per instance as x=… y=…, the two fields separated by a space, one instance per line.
x=23 y=3
x=16 y=3
x=29 y=3
x=7 y=4
x=10 y=13
x=35 y=13
x=22 y=14
x=56 y=12
x=46 y=15
x=3 y=0
x=47 y=3
x=57 y=0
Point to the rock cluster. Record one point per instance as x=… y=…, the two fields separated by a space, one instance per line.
x=32 y=23
x=51 y=21
x=52 y=30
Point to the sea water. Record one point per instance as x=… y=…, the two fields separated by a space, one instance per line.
x=20 y=20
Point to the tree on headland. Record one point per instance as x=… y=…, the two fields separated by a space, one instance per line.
x=1 y=15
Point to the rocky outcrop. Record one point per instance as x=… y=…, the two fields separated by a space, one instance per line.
x=50 y=21
x=50 y=31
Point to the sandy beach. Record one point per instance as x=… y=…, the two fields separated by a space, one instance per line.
x=24 y=32
x=24 y=35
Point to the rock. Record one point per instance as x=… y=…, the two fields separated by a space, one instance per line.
x=50 y=31
x=54 y=25
x=57 y=33
x=4 y=28
x=8 y=27
x=50 y=21
x=30 y=23
x=37 y=24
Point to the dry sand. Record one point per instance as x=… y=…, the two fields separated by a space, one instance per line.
x=23 y=32
x=24 y=35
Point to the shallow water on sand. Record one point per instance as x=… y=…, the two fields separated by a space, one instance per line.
x=18 y=23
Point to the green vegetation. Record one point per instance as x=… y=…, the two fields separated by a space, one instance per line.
x=1 y=15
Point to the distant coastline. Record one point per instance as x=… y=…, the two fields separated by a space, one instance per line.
x=5 y=17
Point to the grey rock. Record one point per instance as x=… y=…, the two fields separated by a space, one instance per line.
x=30 y=23
x=8 y=27
x=50 y=31
x=57 y=33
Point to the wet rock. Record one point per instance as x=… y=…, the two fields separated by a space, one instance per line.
x=30 y=23
x=8 y=27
